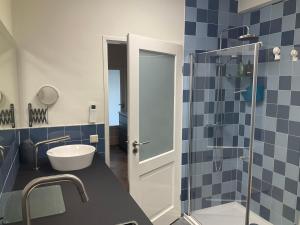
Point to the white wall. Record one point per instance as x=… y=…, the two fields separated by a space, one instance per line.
x=61 y=45
x=5 y=14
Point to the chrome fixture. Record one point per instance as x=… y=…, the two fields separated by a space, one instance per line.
x=135 y=144
x=2 y=152
x=50 y=141
x=245 y=37
x=50 y=180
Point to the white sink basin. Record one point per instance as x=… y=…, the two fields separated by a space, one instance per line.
x=71 y=157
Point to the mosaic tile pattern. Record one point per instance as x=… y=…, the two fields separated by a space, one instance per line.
x=277 y=134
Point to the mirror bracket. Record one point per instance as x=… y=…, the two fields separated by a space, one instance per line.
x=7 y=116
x=37 y=115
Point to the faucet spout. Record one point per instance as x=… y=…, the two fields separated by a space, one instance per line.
x=50 y=141
x=50 y=180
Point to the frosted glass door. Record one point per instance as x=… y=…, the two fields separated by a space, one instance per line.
x=156 y=103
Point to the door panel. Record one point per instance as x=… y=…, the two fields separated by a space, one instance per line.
x=156 y=103
x=154 y=116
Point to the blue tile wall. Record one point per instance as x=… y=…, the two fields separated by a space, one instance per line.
x=80 y=134
x=10 y=140
x=277 y=135
x=10 y=165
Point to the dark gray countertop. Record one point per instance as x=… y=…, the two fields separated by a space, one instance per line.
x=109 y=203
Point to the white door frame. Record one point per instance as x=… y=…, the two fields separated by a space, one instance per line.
x=108 y=39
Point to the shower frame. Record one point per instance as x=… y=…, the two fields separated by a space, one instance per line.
x=257 y=46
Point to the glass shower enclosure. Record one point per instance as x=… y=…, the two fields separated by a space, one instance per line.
x=223 y=97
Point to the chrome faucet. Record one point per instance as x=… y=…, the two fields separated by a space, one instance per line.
x=2 y=152
x=49 y=180
x=50 y=141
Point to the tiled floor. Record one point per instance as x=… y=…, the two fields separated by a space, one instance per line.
x=118 y=165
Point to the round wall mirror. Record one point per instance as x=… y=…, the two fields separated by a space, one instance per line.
x=48 y=95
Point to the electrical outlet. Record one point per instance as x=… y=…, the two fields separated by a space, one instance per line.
x=94 y=138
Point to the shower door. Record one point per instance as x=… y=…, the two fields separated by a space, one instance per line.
x=155 y=98
x=221 y=117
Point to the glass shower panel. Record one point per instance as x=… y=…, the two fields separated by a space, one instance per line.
x=221 y=132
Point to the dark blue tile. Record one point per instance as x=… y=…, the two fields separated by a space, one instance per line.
x=100 y=130
x=269 y=150
x=207 y=179
x=293 y=143
x=233 y=6
x=279 y=167
x=283 y=111
x=277 y=193
x=272 y=96
x=213 y=4
x=24 y=134
x=7 y=137
x=291 y=185
x=87 y=130
x=289 y=7
x=285 y=82
x=184 y=195
x=38 y=134
x=294 y=128
x=185 y=134
x=288 y=213
x=265 y=28
x=202 y=15
x=186 y=69
x=190 y=28
x=298 y=20
x=212 y=30
x=293 y=157
x=270 y=137
x=186 y=95
x=255 y=17
x=264 y=212
x=212 y=16
x=101 y=146
x=282 y=126
x=74 y=132
x=184 y=159
x=184 y=182
x=54 y=132
x=267 y=176
x=191 y=3
x=275 y=26
x=287 y=38
x=295 y=98
x=257 y=159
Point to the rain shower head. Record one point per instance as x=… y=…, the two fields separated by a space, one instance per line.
x=247 y=37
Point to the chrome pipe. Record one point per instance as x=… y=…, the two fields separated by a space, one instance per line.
x=49 y=141
x=2 y=149
x=190 y=132
x=253 y=110
x=50 y=180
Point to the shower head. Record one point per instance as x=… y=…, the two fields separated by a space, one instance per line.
x=247 y=37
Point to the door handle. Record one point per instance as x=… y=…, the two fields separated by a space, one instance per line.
x=135 y=144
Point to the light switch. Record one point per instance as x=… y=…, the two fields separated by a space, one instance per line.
x=94 y=139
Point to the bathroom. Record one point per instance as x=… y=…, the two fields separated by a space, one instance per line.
x=239 y=164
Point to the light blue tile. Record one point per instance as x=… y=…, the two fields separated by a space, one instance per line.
x=276 y=11
x=190 y=14
x=202 y=4
x=297 y=37
x=265 y=14
x=288 y=22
